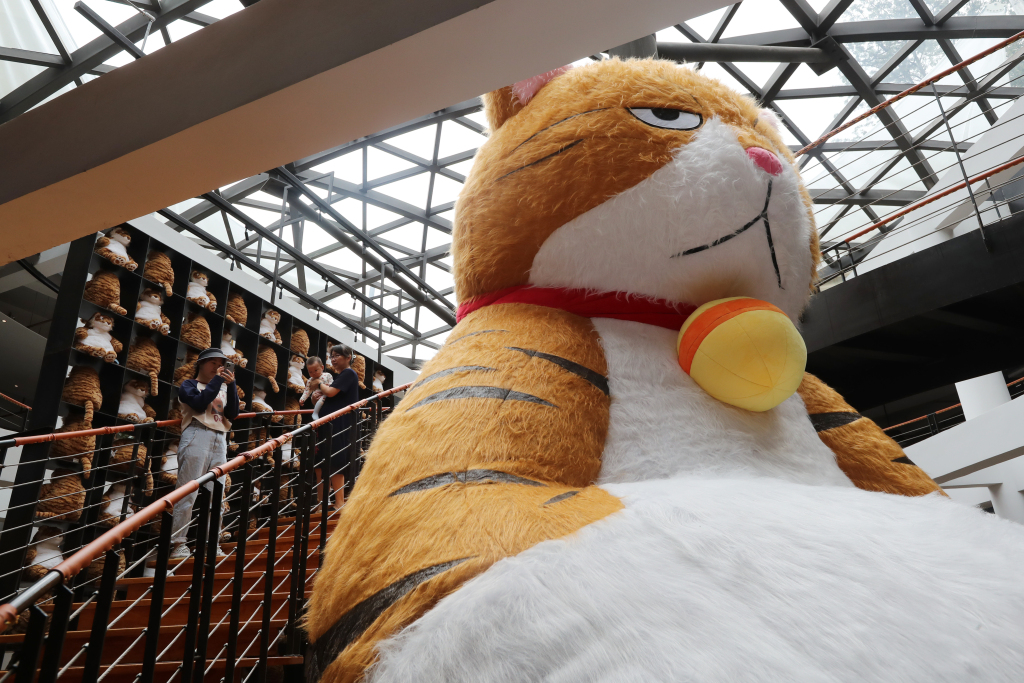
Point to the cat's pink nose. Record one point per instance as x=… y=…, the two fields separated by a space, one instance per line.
x=765 y=159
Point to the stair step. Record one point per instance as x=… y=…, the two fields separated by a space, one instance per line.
x=227 y=564
x=126 y=673
x=138 y=613
x=177 y=585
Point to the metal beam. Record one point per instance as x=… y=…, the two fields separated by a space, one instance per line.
x=86 y=58
x=716 y=52
x=19 y=56
x=267 y=273
x=890 y=29
x=293 y=180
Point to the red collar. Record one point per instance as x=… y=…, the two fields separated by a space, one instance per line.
x=588 y=304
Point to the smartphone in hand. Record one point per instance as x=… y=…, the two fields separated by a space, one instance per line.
x=229 y=366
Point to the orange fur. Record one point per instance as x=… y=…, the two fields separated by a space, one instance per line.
x=863 y=451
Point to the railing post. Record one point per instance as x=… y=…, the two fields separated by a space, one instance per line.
x=960 y=161
x=55 y=639
x=156 y=608
x=94 y=653
x=31 y=645
x=196 y=590
x=212 y=545
x=236 y=588
x=325 y=471
x=268 y=583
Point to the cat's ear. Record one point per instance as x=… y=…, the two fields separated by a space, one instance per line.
x=504 y=103
x=771 y=118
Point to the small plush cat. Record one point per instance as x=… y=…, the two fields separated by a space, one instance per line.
x=300 y=342
x=295 y=380
x=292 y=403
x=174 y=413
x=61 y=499
x=378 y=380
x=168 y=474
x=266 y=365
x=197 y=292
x=359 y=365
x=78 y=448
x=148 y=311
x=268 y=326
x=115 y=247
x=121 y=459
x=133 y=403
x=196 y=331
x=113 y=503
x=186 y=370
x=159 y=270
x=236 y=310
x=43 y=553
x=82 y=388
x=144 y=356
x=95 y=570
x=227 y=348
x=104 y=290
x=95 y=338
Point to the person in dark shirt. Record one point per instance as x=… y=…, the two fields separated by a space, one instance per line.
x=209 y=402
x=344 y=391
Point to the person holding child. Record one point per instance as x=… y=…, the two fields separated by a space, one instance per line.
x=206 y=415
x=342 y=391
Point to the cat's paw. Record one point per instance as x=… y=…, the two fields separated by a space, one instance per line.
x=110 y=357
x=165 y=329
x=131 y=265
x=211 y=307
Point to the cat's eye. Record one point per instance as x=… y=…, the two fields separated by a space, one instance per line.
x=673 y=119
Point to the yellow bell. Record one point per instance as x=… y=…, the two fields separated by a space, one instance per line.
x=743 y=351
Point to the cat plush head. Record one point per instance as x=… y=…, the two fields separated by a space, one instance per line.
x=227 y=337
x=640 y=176
x=297 y=362
x=99 y=321
x=152 y=296
x=136 y=387
x=273 y=316
x=121 y=235
x=200 y=278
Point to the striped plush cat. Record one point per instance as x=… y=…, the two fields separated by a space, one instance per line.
x=556 y=499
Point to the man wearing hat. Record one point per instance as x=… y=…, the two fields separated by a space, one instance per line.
x=206 y=415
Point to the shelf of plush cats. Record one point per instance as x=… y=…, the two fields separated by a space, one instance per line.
x=132 y=337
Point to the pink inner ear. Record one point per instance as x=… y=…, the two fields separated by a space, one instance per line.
x=525 y=90
x=771 y=118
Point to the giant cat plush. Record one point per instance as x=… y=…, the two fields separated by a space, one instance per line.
x=556 y=499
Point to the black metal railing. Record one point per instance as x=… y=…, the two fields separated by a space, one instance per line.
x=149 y=617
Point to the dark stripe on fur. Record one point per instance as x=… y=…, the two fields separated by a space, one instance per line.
x=482 y=392
x=468 y=477
x=553 y=154
x=353 y=623
x=904 y=460
x=823 y=421
x=556 y=123
x=595 y=378
x=471 y=334
x=452 y=371
x=560 y=497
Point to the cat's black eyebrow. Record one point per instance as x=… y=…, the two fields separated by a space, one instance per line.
x=545 y=158
x=556 y=123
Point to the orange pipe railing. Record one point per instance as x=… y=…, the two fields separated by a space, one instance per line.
x=111 y=538
x=911 y=90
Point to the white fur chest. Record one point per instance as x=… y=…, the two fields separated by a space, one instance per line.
x=98 y=339
x=267 y=326
x=147 y=310
x=48 y=553
x=663 y=425
x=295 y=375
x=131 y=404
x=115 y=246
x=196 y=291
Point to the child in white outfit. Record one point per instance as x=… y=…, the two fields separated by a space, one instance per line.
x=317 y=378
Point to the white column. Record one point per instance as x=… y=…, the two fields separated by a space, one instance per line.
x=982 y=394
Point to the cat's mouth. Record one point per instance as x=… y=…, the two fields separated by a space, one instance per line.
x=763 y=216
